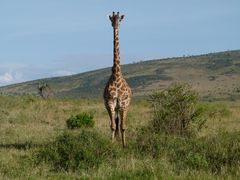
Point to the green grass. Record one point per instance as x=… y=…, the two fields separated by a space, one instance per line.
x=33 y=134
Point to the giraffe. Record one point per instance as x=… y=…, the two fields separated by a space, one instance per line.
x=117 y=93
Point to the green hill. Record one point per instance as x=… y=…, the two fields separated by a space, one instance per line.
x=216 y=76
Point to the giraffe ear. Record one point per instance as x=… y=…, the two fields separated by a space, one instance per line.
x=121 y=18
x=110 y=18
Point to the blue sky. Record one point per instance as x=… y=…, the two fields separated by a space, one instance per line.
x=48 y=38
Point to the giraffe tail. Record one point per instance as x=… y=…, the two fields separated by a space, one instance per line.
x=117 y=124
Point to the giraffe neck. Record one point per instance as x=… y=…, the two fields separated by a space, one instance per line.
x=116 y=50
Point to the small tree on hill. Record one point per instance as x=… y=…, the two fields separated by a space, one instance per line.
x=45 y=91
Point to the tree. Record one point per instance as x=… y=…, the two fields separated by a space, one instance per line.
x=45 y=91
x=175 y=110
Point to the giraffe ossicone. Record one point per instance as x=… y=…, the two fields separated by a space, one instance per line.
x=117 y=93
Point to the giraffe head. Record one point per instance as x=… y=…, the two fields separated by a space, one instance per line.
x=116 y=19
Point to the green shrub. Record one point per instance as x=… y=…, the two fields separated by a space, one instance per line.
x=218 y=153
x=157 y=145
x=75 y=151
x=175 y=110
x=149 y=143
x=80 y=120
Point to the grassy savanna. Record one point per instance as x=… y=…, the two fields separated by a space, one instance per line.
x=36 y=142
x=29 y=125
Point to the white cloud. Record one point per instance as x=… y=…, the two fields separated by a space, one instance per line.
x=63 y=73
x=10 y=78
x=11 y=73
x=6 y=78
x=16 y=73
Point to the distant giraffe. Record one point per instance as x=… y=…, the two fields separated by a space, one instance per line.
x=117 y=93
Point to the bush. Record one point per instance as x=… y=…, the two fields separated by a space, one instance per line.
x=218 y=153
x=157 y=145
x=72 y=152
x=175 y=111
x=80 y=120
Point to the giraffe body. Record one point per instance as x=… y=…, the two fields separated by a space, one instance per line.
x=117 y=93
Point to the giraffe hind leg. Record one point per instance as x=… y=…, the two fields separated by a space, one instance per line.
x=113 y=126
x=123 y=114
x=111 y=112
x=117 y=126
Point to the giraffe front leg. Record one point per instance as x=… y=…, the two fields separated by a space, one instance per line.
x=111 y=105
